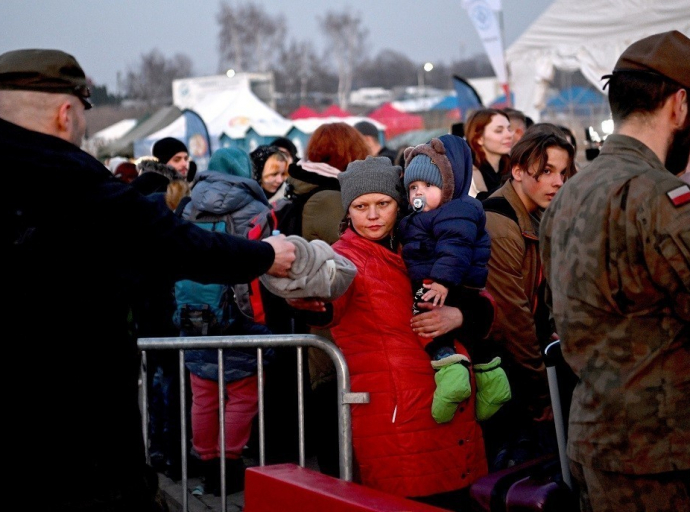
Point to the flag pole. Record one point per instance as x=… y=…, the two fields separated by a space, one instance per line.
x=506 y=85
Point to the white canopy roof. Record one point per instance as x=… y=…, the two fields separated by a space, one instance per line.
x=115 y=131
x=230 y=112
x=588 y=35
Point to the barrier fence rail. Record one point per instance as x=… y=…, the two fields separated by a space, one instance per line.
x=345 y=396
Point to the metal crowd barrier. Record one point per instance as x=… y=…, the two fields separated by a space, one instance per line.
x=345 y=396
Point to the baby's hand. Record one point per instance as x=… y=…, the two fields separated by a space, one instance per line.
x=436 y=295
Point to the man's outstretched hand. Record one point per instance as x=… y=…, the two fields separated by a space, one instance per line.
x=284 y=255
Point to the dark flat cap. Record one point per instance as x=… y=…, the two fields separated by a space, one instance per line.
x=45 y=71
x=667 y=54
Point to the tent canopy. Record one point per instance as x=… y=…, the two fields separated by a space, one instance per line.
x=230 y=112
x=304 y=112
x=448 y=103
x=335 y=111
x=396 y=122
x=500 y=101
x=589 y=36
x=415 y=137
x=579 y=100
x=124 y=146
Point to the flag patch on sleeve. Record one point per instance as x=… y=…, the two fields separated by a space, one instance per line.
x=679 y=196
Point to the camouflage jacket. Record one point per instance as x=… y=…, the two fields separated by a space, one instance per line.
x=615 y=244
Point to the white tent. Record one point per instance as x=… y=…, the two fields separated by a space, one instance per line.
x=588 y=35
x=231 y=112
x=115 y=131
x=107 y=135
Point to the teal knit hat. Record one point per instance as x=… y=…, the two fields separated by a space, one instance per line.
x=422 y=168
x=231 y=161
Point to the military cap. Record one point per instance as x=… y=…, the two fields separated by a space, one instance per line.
x=43 y=70
x=667 y=54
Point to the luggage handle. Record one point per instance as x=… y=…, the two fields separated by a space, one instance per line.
x=552 y=355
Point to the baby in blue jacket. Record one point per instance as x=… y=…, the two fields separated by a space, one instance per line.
x=446 y=249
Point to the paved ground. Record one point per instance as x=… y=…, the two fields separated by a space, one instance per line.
x=173 y=491
x=207 y=502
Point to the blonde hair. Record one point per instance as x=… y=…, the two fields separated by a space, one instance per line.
x=177 y=189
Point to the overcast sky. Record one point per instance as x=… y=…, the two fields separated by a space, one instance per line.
x=109 y=36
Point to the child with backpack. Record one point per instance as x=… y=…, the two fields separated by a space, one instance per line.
x=222 y=199
x=446 y=250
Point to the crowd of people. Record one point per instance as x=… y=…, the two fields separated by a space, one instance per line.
x=470 y=258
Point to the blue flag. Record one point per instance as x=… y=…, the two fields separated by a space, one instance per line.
x=197 y=139
x=468 y=98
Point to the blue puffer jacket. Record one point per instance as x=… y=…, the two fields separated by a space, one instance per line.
x=450 y=243
x=217 y=194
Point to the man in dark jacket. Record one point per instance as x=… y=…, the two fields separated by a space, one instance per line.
x=73 y=399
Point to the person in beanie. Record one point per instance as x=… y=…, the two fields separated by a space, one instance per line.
x=398 y=447
x=270 y=171
x=615 y=243
x=224 y=194
x=286 y=146
x=446 y=248
x=174 y=153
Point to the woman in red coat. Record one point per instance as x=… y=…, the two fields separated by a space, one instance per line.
x=398 y=447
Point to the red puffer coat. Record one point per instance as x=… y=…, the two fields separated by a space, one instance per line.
x=398 y=447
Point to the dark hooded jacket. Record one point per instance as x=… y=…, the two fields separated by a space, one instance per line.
x=448 y=244
x=69 y=230
x=225 y=194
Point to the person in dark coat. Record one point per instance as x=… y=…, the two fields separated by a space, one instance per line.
x=371 y=137
x=446 y=250
x=76 y=429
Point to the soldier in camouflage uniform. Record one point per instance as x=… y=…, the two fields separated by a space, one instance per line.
x=615 y=244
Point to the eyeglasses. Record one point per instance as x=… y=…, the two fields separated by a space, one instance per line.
x=82 y=92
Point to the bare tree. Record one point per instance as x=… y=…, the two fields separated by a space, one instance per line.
x=387 y=69
x=295 y=70
x=247 y=33
x=346 y=38
x=151 y=80
x=473 y=67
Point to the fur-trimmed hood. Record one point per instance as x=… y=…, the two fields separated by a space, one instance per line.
x=453 y=157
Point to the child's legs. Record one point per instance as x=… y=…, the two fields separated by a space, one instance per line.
x=205 y=428
x=240 y=408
